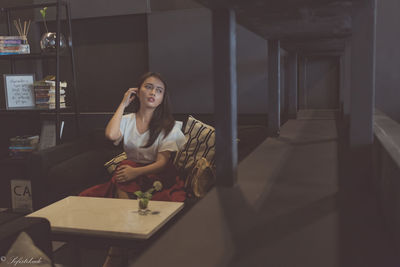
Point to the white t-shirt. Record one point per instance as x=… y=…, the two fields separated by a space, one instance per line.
x=133 y=140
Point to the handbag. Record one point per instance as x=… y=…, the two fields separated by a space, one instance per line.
x=200 y=179
x=112 y=164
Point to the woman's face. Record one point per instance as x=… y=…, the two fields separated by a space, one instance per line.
x=151 y=93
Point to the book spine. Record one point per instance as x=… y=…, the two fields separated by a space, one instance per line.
x=21 y=49
x=46 y=87
x=12 y=42
x=53 y=83
x=12 y=37
x=22 y=147
x=9 y=45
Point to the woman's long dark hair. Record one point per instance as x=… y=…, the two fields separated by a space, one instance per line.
x=162 y=119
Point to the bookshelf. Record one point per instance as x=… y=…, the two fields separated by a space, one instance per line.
x=57 y=55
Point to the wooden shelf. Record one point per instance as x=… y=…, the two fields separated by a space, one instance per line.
x=32 y=56
x=45 y=4
x=12 y=161
x=37 y=110
x=54 y=114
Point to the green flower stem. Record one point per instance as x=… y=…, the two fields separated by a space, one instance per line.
x=43 y=12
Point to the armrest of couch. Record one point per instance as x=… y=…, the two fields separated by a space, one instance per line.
x=40 y=161
x=69 y=168
x=37 y=228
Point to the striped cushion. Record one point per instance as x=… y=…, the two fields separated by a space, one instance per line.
x=200 y=143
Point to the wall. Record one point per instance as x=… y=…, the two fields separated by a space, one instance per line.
x=387 y=92
x=180 y=49
x=252 y=72
x=163 y=5
x=322 y=83
x=110 y=53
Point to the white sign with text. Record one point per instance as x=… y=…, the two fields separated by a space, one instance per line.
x=21 y=195
x=19 y=90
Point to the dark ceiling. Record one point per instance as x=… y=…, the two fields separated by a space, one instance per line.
x=307 y=26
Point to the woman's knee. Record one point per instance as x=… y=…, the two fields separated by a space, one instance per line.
x=121 y=194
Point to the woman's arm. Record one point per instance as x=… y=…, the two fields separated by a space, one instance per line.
x=126 y=173
x=112 y=130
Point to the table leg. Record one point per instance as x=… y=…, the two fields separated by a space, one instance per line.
x=76 y=254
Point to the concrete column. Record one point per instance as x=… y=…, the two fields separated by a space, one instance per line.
x=341 y=84
x=225 y=94
x=347 y=81
x=292 y=87
x=302 y=94
x=274 y=69
x=363 y=74
x=283 y=91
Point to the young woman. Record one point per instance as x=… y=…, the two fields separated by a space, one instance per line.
x=149 y=135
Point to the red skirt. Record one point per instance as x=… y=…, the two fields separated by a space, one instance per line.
x=173 y=186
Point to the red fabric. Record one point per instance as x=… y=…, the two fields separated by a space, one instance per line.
x=173 y=186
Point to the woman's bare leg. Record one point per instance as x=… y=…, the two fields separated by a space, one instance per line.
x=120 y=194
x=116 y=255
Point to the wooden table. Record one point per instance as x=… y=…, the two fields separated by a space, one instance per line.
x=103 y=222
x=107 y=217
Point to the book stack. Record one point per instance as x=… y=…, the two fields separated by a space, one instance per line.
x=14 y=45
x=21 y=146
x=45 y=94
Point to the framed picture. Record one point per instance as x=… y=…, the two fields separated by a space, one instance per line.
x=19 y=90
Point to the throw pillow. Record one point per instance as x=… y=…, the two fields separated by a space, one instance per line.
x=200 y=144
x=200 y=179
x=24 y=253
x=112 y=164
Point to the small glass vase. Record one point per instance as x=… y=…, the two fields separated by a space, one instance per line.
x=143 y=204
x=48 y=42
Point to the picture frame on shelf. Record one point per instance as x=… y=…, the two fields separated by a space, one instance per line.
x=18 y=90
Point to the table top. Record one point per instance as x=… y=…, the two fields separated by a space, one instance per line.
x=107 y=217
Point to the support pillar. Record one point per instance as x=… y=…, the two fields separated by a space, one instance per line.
x=274 y=84
x=292 y=87
x=225 y=95
x=347 y=82
x=341 y=85
x=363 y=74
x=302 y=94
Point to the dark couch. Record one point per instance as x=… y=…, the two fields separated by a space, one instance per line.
x=12 y=224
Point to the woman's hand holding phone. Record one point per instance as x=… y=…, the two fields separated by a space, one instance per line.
x=129 y=96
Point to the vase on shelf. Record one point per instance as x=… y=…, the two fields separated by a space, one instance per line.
x=48 y=42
